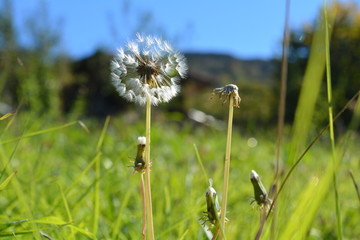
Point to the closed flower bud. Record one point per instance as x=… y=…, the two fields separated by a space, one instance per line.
x=260 y=193
x=139 y=163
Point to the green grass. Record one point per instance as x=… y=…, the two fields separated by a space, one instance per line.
x=60 y=189
x=71 y=179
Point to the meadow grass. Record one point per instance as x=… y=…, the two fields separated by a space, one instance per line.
x=63 y=179
x=60 y=190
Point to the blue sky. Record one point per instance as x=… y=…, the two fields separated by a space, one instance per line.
x=244 y=29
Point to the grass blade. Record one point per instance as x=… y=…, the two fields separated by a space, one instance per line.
x=200 y=163
x=5 y=116
x=4 y=184
x=97 y=176
x=356 y=186
x=331 y=125
x=120 y=215
x=39 y=132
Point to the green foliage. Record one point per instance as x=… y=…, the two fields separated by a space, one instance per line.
x=73 y=181
x=344 y=54
x=66 y=157
x=28 y=74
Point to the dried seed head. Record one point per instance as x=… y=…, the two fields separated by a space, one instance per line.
x=228 y=91
x=148 y=67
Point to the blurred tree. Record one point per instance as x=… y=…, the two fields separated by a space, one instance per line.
x=90 y=90
x=39 y=82
x=8 y=60
x=27 y=70
x=344 y=54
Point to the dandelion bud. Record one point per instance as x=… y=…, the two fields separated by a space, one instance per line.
x=228 y=91
x=139 y=163
x=212 y=203
x=260 y=193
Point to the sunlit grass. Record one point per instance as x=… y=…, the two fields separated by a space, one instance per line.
x=65 y=159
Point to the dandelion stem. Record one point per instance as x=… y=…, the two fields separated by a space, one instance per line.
x=216 y=234
x=143 y=206
x=149 y=215
x=331 y=125
x=262 y=223
x=227 y=165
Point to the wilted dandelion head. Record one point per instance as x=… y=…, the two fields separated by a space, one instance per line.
x=148 y=67
x=228 y=91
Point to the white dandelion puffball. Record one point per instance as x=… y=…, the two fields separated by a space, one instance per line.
x=148 y=67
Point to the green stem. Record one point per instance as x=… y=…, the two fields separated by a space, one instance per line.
x=227 y=165
x=355 y=184
x=143 y=206
x=331 y=125
x=149 y=215
x=96 y=212
x=262 y=223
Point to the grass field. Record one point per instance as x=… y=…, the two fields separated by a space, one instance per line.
x=71 y=179
x=57 y=190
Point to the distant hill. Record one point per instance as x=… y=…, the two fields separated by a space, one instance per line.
x=226 y=69
x=90 y=87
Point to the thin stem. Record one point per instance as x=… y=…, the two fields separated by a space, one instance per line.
x=216 y=233
x=332 y=137
x=355 y=184
x=262 y=222
x=283 y=86
x=281 y=117
x=149 y=215
x=143 y=207
x=227 y=165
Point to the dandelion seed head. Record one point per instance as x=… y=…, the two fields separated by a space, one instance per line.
x=148 y=67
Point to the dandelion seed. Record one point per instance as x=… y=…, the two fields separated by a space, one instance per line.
x=148 y=67
x=228 y=91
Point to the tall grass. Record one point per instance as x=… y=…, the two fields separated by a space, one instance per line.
x=331 y=124
x=70 y=180
x=65 y=158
